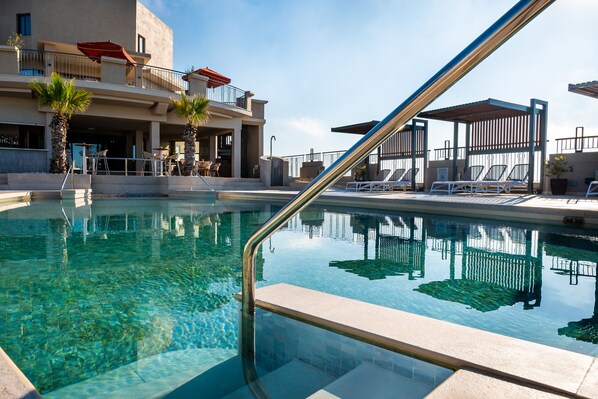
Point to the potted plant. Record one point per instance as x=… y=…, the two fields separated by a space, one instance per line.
x=554 y=169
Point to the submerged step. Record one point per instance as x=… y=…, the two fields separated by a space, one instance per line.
x=294 y=380
x=369 y=381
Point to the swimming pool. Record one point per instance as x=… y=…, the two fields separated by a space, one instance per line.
x=89 y=289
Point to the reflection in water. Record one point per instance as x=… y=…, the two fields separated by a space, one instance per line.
x=89 y=289
x=490 y=265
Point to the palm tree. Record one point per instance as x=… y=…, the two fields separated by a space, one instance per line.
x=195 y=111
x=64 y=99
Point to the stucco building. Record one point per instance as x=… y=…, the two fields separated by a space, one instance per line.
x=130 y=112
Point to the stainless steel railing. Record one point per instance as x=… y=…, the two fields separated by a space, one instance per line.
x=506 y=26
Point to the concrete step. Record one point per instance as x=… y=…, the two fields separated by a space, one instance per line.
x=294 y=380
x=369 y=381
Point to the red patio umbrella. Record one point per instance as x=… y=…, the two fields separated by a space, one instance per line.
x=215 y=79
x=95 y=50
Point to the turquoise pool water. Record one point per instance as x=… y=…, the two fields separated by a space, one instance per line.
x=86 y=290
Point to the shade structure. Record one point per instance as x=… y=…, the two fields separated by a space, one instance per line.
x=215 y=79
x=96 y=50
x=478 y=295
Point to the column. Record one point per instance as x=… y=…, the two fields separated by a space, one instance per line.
x=154 y=142
x=213 y=148
x=138 y=150
x=455 y=148
x=236 y=151
x=48 y=138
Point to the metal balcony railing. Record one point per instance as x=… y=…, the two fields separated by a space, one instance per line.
x=229 y=95
x=576 y=144
x=74 y=66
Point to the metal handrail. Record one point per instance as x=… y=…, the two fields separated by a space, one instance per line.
x=505 y=27
x=68 y=172
x=193 y=171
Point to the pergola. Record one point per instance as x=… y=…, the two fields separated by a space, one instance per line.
x=410 y=142
x=587 y=89
x=498 y=127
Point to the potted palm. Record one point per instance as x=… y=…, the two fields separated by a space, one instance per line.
x=554 y=169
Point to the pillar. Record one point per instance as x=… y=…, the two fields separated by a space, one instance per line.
x=532 y=145
x=236 y=151
x=48 y=138
x=138 y=149
x=154 y=136
x=213 y=148
x=197 y=84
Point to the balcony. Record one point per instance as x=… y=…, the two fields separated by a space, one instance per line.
x=115 y=71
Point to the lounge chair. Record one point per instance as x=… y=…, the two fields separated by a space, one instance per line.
x=469 y=186
x=471 y=174
x=403 y=182
x=356 y=185
x=377 y=185
x=517 y=178
x=592 y=188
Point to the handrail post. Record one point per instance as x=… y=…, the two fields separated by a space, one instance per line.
x=505 y=27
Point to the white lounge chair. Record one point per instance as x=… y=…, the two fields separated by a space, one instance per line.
x=377 y=185
x=469 y=186
x=356 y=185
x=403 y=182
x=517 y=178
x=592 y=188
x=471 y=174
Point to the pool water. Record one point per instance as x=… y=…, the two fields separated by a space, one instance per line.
x=87 y=290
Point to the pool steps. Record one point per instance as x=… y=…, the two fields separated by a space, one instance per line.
x=507 y=359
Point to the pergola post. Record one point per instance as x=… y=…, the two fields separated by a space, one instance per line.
x=543 y=137
x=532 y=145
x=467 y=143
x=455 y=148
x=425 y=166
x=413 y=153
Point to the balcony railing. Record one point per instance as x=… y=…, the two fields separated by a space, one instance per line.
x=74 y=66
x=155 y=78
x=229 y=95
x=446 y=153
x=576 y=144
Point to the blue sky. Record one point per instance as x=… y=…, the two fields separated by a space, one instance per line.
x=325 y=63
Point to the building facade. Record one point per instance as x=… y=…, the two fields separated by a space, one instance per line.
x=130 y=112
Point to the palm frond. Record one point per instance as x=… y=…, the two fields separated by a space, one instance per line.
x=61 y=95
x=193 y=109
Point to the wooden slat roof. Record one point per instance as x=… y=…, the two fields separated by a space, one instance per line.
x=362 y=128
x=587 y=89
x=485 y=110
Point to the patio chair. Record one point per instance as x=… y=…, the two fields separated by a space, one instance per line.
x=151 y=158
x=517 y=177
x=356 y=185
x=96 y=159
x=492 y=176
x=169 y=160
x=592 y=188
x=215 y=169
x=472 y=173
x=377 y=185
x=203 y=167
x=403 y=182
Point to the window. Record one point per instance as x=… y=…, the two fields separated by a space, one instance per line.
x=140 y=44
x=24 y=24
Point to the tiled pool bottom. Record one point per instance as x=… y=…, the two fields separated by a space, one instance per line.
x=293 y=360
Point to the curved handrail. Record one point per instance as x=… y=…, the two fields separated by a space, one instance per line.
x=505 y=27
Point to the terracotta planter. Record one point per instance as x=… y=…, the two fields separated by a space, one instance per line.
x=558 y=186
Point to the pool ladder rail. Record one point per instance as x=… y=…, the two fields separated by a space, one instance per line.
x=490 y=40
